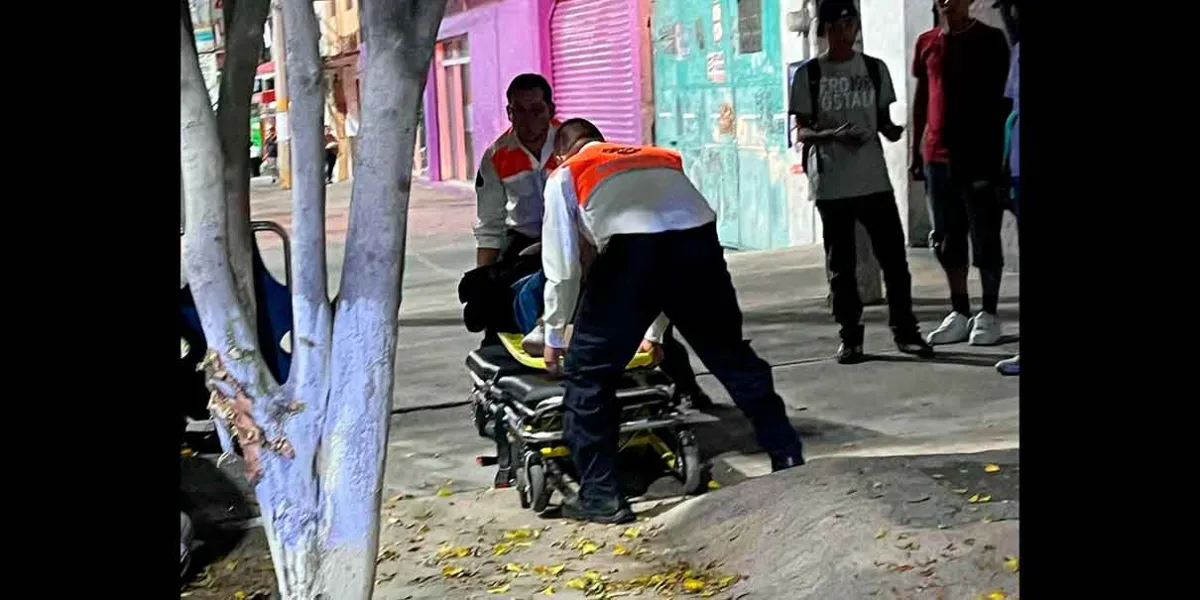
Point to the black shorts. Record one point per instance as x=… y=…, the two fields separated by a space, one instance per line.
x=962 y=209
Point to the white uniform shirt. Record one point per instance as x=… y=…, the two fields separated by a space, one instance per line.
x=607 y=190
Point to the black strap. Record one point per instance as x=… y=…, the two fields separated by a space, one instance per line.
x=874 y=65
x=812 y=70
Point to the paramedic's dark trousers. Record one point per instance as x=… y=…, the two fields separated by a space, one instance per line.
x=683 y=274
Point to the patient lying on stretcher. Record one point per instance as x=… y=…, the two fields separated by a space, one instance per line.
x=528 y=307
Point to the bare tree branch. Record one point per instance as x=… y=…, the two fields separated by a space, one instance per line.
x=244 y=20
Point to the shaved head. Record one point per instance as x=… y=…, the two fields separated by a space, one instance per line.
x=574 y=133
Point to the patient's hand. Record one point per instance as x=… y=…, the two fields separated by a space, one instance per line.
x=654 y=349
x=554 y=359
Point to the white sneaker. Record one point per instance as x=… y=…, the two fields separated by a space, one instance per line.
x=985 y=330
x=534 y=344
x=955 y=328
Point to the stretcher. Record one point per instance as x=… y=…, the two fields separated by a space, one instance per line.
x=519 y=406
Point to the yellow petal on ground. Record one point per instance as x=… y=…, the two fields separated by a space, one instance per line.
x=693 y=584
x=991 y=468
x=728 y=580
x=620 y=550
x=1012 y=563
x=240 y=595
x=713 y=485
x=974 y=498
x=556 y=569
x=588 y=548
x=578 y=583
x=445 y=492
x=499 y=590
x=501 y=549
x=451 y=571
x=514 y=568
x=882 y=533
x=632 y=533
x=520 y=534
x=995 y=595
x=548 y=591
x=591 y=575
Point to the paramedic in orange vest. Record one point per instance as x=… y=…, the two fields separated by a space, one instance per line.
x=658 y=258
x=513 y=171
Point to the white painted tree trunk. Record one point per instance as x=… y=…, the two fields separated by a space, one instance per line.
x=314 y=447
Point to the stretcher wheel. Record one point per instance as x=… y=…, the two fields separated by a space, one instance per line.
x=688 y=462
x=523 y=492
x=538 y=491
x=480 y=417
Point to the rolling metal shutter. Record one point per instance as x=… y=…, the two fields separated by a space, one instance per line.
x=595 y=65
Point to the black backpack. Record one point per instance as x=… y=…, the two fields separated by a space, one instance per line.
x=812 y=68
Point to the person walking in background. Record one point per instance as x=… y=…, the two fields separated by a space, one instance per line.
x=840 y=100
x=1012 y=140
x=331 y=153
x=958 y=118
x=271 y=149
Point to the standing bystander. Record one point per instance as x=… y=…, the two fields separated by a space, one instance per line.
x=958 y=118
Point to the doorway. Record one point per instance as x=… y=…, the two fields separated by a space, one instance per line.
x=452 y=72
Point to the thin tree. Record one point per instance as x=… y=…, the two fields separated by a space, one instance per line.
x=314 y=446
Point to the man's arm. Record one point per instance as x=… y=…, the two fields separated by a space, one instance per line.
x=887 y=96
x=560 y=257
x=920 y=108
x=491 y=210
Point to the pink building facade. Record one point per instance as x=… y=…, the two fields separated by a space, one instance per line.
x=595 y=53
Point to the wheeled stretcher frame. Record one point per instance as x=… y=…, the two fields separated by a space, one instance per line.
x=522 y=411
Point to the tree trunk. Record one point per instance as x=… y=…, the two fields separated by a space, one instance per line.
x=399 y=38
x=244 y=21
x=315 y=447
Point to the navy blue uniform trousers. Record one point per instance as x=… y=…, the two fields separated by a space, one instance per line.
x=682 y=274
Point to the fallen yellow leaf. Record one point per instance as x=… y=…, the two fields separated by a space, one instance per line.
x=499 y=590
x=693 y=584
x=728 y=580
x=632 y=533
x=994 y=595
x=991 y=468
x=549 y=591
x=445 y=492
x=240 y=595
x=556 y=569
x=521 y=534
x=514 y=568
x=713 y=485
x=501 y=549
x=588 y=548
x=451 y=571
x=620 y=550
x=591 y=575
x=979 y=498
x=578 y=583
x=455 y=551
x=1012 y=563
x=882 y=534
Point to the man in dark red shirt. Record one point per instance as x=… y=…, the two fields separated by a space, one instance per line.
x=959 y=111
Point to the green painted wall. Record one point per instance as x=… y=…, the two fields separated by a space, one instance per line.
x=718 y=93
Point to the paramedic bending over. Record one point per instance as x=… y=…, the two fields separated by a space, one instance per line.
x=658 y=254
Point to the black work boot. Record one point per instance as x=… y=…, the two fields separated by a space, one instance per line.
x=779 y=463
x=850 y=353
x=911 y=342
x=614 y=513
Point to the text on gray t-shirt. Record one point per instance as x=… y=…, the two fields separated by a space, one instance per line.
x=846 y=96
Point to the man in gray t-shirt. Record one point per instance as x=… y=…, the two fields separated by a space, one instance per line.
x=848 y=176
